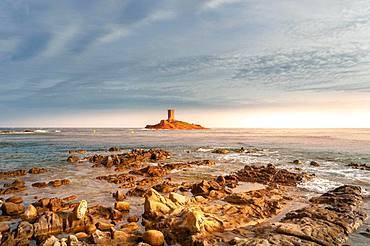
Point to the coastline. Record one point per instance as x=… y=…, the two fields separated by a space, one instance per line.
x=99 y=192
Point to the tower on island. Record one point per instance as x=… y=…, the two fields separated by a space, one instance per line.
x=171 y=115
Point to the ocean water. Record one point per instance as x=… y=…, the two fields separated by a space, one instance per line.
x=334 y=149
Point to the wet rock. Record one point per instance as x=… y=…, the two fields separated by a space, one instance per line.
x=40 y=185
x=122 y=206
x=81 y=235
x=16 y=186
x=116 y=214
x=271 y=175
x=14 y=173
x=120 y=236
x=99 y=212
x=37 y=170
x=314 y=164
x=165 y=187
x=69 y=198
x=15 y=199
x=73 y=159
x=153 y=237
x=359 y=166
x=119 y=195
x=205 y=188
x=77 y=151
x=11 y=209
x=59 y=182
x=297 y=162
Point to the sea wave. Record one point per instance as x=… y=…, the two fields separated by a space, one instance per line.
x=319 y=185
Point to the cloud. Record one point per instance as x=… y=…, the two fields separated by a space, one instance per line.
x=210 y=54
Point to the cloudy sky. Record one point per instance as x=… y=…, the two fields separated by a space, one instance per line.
x=222 y=63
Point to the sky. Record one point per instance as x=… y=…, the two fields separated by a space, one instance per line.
x=220 y=63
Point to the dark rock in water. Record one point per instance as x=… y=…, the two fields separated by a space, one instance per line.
x=125 y=180
x=114 y=149
x=78 y=151
x=59 y=182
x=16 y=186
x=37 y=170
x=40 y=185
x=314 y=164
x=14 y=173
x=15 y=199
x=73 y=158
x=137 y=191
x=297 y=162
x=11 y=209
x=271 y=175
x=359 y=166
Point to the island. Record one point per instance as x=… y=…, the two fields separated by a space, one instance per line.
x=172 y=124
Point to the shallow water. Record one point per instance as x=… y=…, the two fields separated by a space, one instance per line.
x=332 y=148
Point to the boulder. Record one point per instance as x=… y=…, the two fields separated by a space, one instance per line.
x=73 y=159
x=122 y=206
x=153 y=237
x=25 y=230
x=80 y=210
x=11 y=209
x=30 y=213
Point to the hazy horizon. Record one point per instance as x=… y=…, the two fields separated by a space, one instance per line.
x=220 y=63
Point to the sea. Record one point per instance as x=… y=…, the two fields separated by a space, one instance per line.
x=333 y=149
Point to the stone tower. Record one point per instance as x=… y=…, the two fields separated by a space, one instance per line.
x=171 y=115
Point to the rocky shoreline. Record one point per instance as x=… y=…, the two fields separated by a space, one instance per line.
x=212 y=211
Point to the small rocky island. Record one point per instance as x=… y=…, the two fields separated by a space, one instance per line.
x=172 y=124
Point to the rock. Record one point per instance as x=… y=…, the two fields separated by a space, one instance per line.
x=120 y=235
x=119 y=195
x=30 y=213
x=81 y=235
x=130 y=227
x=178 y=199
x=11 y=209
x=4 y=228
x=127 y=181
x=314 y=164
x=37 y=170
x=15 y=199
x=114 y=149
x=40 y=185
x=137 y=191
x=150 y=171
x=102 y=238
x=25 y=230
x=17 y=186
x=132 y=218
x=271 y=175
x=47 y=224
x=122 y=206
x=221 y=151
x=59 y=182
x=78 y=151
x=73 y=241
x=15 y=173
x=73 y=159
x=297 y=162
x=172 y=124
x=91 y=229
x=104 y=226
x=116 y=214
x=156 y=205
x=153 y=237
x=81 y=209
x=51 y=241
